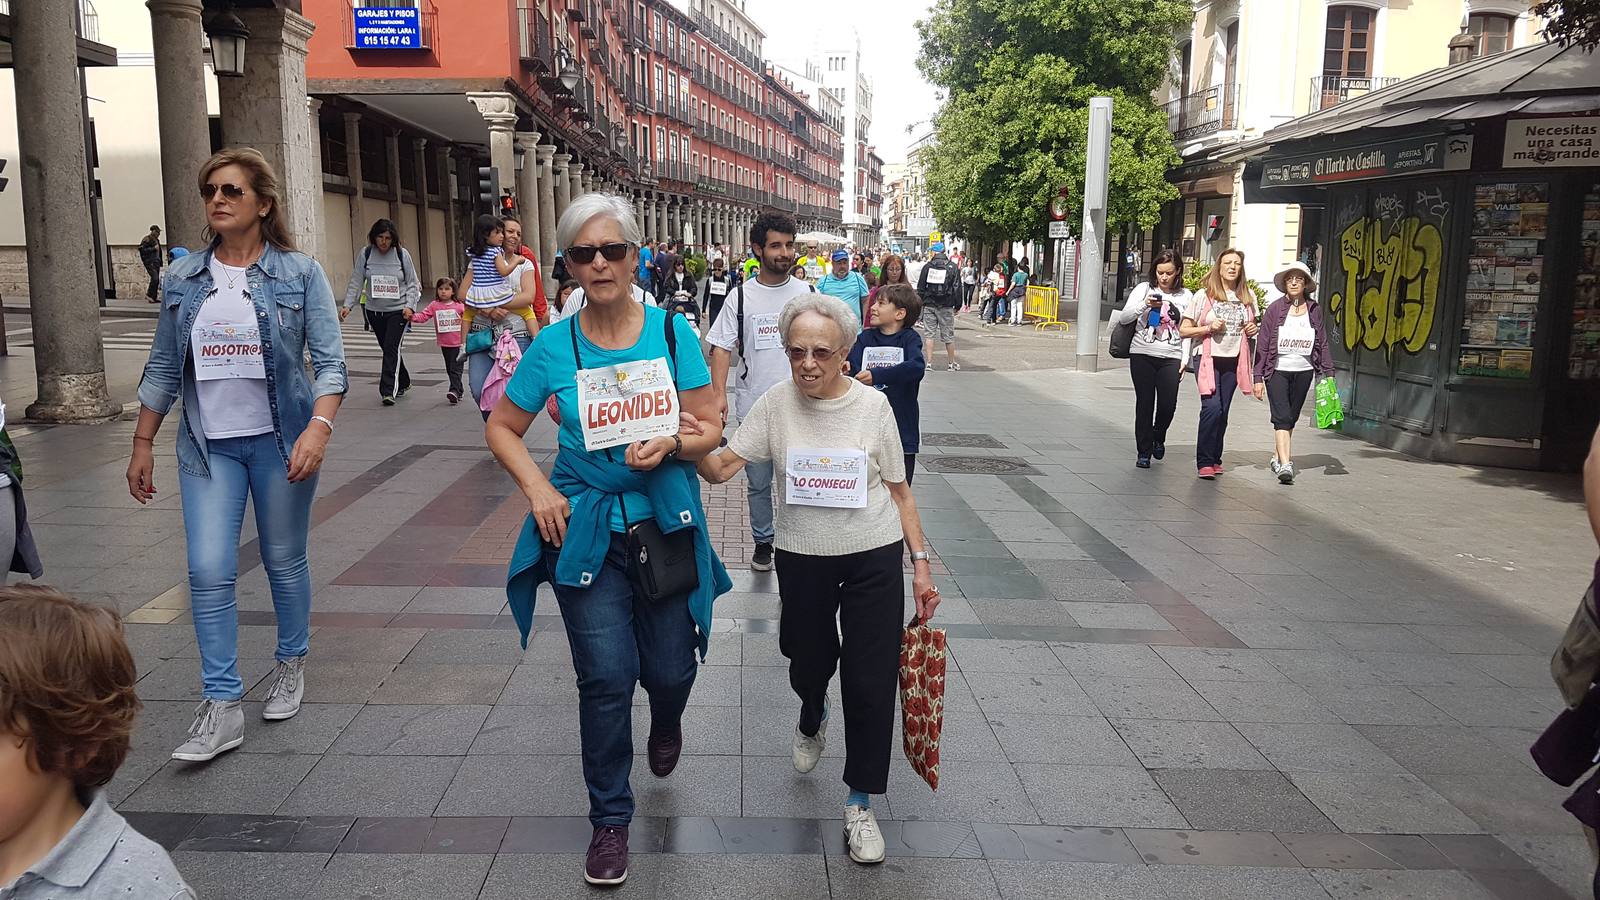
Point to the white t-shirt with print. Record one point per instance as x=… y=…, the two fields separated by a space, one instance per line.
x=231 y=387
x=763 y=348
x=1232 y=314
x=1295 y=340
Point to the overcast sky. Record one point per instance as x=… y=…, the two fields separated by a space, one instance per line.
x=901 y=96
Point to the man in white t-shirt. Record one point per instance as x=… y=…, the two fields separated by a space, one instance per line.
x=748 y=324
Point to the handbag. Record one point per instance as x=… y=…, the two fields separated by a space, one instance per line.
x=1568 y=746
x=922 y=662
x=1122 y=339
x=479 y=340
x=1576 y=663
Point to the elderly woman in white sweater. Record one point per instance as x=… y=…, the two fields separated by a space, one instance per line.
x=845 y=515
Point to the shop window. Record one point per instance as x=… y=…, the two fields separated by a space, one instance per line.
x=1491 y=31
x=1583 y=357
x=1347 y=47
x=1505 y=278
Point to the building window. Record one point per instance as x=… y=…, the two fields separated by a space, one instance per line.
x=1347 y=47
x=661 y=144
x=1492 y=31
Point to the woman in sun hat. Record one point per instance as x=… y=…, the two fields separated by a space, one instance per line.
x=1291 y=353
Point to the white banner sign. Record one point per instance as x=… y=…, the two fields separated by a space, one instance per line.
x=1552 y=143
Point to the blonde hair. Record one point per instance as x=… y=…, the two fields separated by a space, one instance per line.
x=1215 y=289
x=263 y=181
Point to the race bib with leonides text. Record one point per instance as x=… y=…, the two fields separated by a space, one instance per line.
x=826 y=476
x=627 y=402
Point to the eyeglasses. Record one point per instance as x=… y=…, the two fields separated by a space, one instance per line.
x=231 y=192
x=820 y=354
x=583 y=254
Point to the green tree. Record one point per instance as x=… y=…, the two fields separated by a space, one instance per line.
x=1571 y=21
x=1018 y=75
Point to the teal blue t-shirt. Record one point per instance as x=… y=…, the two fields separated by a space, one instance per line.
x=548 y=368
x=851 y=288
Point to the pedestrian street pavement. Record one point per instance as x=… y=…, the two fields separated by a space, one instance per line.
x=1159 y=687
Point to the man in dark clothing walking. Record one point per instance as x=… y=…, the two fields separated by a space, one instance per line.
x=150 y=255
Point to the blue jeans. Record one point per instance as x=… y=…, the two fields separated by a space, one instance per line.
x=478 y=365
x=619 y=640
x=758 y=485
x=1214 y=413
x=245 y=468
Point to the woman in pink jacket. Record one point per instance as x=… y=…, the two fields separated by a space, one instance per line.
x=1223 y=323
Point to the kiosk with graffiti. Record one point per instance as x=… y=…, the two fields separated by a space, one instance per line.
x=1385 y=285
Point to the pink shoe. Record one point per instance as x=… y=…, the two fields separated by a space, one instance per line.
x=1218 y=467
x=1208 y=472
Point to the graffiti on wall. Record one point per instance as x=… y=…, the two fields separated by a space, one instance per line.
x=1393 y=267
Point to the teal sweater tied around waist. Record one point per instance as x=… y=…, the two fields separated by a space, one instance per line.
x=592 y=483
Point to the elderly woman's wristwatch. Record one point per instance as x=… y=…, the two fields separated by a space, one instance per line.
x=919 y=556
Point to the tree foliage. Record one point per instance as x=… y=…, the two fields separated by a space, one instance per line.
x=1018 y=75
x=1571 y=21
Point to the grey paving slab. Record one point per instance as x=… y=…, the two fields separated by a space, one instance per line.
x=999 y=693
x=933 y=879
x=518 y=786
x=527 y=730
x=441 y=683
x=972 y=792
x=699 y=786
x=1240 y=800
x=1242 y=701
x=479 y=646
x=236 y=783
x=372 y=786
x=1113 y=660
x=312 y=730
x=1443 y=749
x=250 y=875
x=362 y=598
x=1523 y=671
x=441 y=876
x=1495 y=704
x=484 y=600
x=411 y=730
x=768 y=730
x=1019 y=880
x=1167 y=744
x=1111 y=796
x=773 y=789
x=365 y=644
x=1148 y=698
x=1116 y=615
x=707 y=730
x=1016 y=587
x=968 y=735
x=1430 y=669
x=1210 y=848
x=1507 y=801
x=1215 y=664
x=1021 y=612
x=559 y=876
x=539 y=684
x=1382 y=804
x=336 y=681
x=1031 y=657
x=1324 y=667
x=1078 y=740
x=1370 y=704
x=1351 y=884
x=179 y=678
x=1563 y=858
x=1318 y=748
x=729 y=877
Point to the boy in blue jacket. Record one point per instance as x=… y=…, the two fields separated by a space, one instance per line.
x=888 y=356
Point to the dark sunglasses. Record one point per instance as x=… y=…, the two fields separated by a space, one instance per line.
x=583 y=254
x=820 y=354
x=229 y=191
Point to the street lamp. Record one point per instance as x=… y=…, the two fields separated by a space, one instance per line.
x=228 y=36
x=566 y=71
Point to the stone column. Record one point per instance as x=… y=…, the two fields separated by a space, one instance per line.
x=638 y=211
x=352 y=161
x=452 y=226
x=563 y=182
x=180 y=115
x=499 y=109
x=68 y=359
x=663 y=230
x=266 y=110
x=528 y=192
x=391 y=153
x=649 y=223
x=319 y=247
x=547 y=213
x=423 y=241
x=588 y=180
x=575 y=175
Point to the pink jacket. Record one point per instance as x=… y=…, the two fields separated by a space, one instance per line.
x=445 y=338
x=1206 y=375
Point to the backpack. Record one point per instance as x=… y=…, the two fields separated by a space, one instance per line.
x=367 y=255
x=946 y=294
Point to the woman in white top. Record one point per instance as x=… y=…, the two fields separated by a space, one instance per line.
x=846 y=513
x=1292 y=353
x=1223 y=320
x=1155 y=358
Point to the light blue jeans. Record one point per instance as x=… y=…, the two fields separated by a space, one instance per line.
x=478 y=365
x=246 y=468
x=758 y=478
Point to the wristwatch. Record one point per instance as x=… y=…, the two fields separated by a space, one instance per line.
x=919 y=556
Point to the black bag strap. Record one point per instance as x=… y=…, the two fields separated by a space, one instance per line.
x=744 y=361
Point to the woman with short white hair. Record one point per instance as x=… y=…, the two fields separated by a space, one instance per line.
x=617 y=528
x=846 y=513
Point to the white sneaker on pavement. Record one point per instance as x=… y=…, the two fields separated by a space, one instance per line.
x=862 y=834
x=288 y=687
x=218 y=727
x=808 y=749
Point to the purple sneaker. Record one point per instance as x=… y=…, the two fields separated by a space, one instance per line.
x=663 y=750
x=607 y=862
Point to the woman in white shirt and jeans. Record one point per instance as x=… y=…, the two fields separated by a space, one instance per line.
x=839 y=541
x=1155 y=358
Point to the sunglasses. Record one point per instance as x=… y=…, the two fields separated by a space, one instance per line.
x=232 y=192
x=583 y=254
x=820 y=354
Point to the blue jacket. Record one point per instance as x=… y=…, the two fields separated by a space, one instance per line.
x=591 y=483
x=900 y=383
x=289 y=285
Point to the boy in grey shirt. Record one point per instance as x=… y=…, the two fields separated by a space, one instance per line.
x=67 y=706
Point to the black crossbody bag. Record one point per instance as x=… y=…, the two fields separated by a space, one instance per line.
x=660 y=564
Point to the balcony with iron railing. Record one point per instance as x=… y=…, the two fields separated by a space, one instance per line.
x=533 y=30
x=1332 y=90
x=1203 y=112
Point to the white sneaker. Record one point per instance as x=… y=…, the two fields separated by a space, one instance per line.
x=1276 y=466
x=808 y=749
x=1286 y=473
x=288 y=687
x=218 y=727
x=861 y=832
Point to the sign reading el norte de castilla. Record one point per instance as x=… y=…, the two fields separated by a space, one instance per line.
x=1431 y=153
x=1540 y=143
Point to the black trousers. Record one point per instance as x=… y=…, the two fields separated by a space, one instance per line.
x=1155 y=388
x=452 y=367
x=866 y=591
x=154 y=290
x=911 y=467
x=1286 y=394
x=390 y=329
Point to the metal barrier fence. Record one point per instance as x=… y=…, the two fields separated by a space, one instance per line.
x=1042 y=306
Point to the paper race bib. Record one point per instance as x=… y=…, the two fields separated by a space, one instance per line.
x=882 y=357
x=385 y=287
x=814 y=271
x=936 y=275
x=767 y=335
x=227 y=351
x=632 y=401
x=826 y=477
x=447 y=321
x=718 y=288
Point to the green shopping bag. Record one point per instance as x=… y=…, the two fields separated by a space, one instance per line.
x=1330 y=412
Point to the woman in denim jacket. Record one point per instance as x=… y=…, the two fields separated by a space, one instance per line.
x=236 y=322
